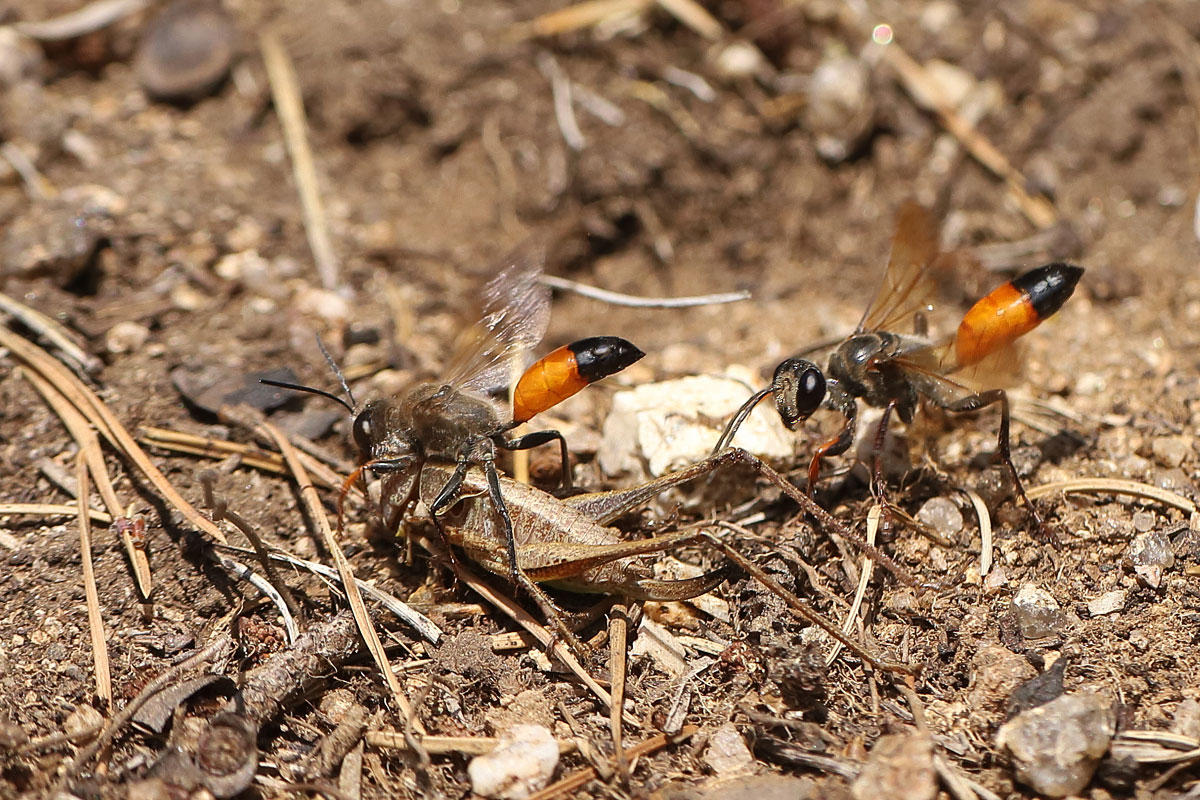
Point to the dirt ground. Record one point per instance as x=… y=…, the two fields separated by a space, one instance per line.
x=170 y=239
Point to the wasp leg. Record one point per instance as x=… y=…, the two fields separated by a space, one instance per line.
x=832 y=447
x=443 y=500
x=982 y=400
x=516 y=574
x=537 y=439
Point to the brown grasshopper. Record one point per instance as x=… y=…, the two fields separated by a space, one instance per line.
x=567 y=544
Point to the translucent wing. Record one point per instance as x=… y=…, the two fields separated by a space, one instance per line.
x=516 y=313
x=907 y=285
x=937 y=373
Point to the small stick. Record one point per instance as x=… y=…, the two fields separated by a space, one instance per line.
x=864 y=577
x=99 y=414
x=444 y=745
x=265 y=586
x=1114 y=486
x=89 y=448
x=289 y=107
x=89 y=19
x=618 y=628
x=104 y=689
x=36 y=185
x=564 y=112
x=53 y=332
x=316 y=512
x=1036 y=209
x=422 y=624
x=576 y=780
x=526 y=621
x=633 y=301
x=52 y=510
x=693 y=15
x=582 y=15
x=220 y=510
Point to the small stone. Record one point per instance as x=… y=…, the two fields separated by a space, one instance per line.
x=740 y=60
x=1143 y=521
x=20 y=57
x=186 y=52
x=1037 y=613
x=727 y=751
x=942 y=515
x=1186 y=721
x=323 y=303
x=1107 y=603
x=900 y=765
x=83 y=718
x=1150 y=554
x=126 y=337
x=522 y=763
x=996 y=672
x=12 y=735
x=1170 y=451
x=840 y=110
x=1139 y=639
x=658 y=427
x=1056 y=747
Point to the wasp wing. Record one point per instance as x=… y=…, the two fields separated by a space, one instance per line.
x=907 y=286
x=516 y=313
x=935 y=371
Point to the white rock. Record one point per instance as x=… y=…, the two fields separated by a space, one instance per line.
x=1037 y=612
x=126 y=337
x=1056 y=747
x=659 y=427
x=1107 y=603
x=522 y=763
x=727 y=751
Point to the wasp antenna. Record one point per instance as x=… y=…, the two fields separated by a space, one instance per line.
x=337 y=371
x=732 y=428
x=309 y=389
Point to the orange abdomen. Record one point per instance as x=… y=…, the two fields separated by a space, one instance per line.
x=1013 y=310
x=547 y=383
x=562 y=373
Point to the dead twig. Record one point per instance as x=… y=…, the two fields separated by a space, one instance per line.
x=104 y=689
x=444 y=745
x=564 y=112
x=864 y=577
x=53 y=332
x=366 y=627
x=89 y=19
x=1114 y=486
x=633 y=301
x=89 y=449
x=926 y=94
x=285 y=92
x=266 y=587
x=52 y=510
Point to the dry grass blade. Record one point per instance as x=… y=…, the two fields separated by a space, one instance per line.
x=37 y=187
x=182 y=442
x=263 y=585
x=95 y=410
x=1114 y=486
x=633 y=301
x=526 y=621
x=985 y=531
x=576 y=780
x=864 y=577
x=1155 y=747
x=693 y=15
x=92 y=17
x=419 y=622
x=308 y=492
x=89 y=449
x=925 y=92
x=618 y=630
x=52 y=510
x=285 y=91
x=104 y=689
x=54 y=333
x=582 y=15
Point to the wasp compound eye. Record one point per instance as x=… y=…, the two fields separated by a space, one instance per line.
x=799 y=388
x=364 y=430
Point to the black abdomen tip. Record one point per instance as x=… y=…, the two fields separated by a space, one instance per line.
x=600 y=356
x=1049 y=286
